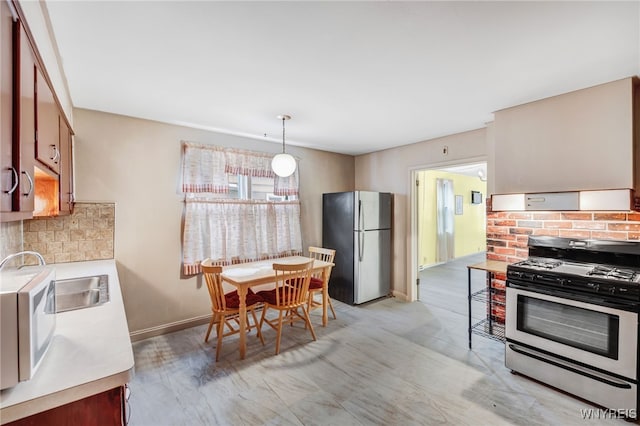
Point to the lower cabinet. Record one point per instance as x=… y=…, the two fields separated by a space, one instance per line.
x=103 y=409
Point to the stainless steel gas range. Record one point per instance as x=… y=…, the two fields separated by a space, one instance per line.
x=572 y=318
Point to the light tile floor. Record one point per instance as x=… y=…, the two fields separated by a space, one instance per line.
x=383 y=363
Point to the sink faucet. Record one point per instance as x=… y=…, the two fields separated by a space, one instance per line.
x=11 y=256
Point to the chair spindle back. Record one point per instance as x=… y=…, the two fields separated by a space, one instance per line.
x=292 y=282
x=212 y=275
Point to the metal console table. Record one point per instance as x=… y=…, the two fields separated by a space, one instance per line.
x=486 y=327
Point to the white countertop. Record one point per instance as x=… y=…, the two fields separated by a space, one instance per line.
x=90 y=353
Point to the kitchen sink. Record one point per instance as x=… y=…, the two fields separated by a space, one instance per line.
x=81 y=292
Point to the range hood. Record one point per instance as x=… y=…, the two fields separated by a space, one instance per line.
x=604 y=200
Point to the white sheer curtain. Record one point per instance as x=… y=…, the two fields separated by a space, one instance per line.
x=232 y=230
x=236 y=231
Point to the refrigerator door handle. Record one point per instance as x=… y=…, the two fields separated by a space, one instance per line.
x=360 y=245
x=360 y=215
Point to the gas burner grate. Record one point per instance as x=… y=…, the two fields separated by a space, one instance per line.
x=540 y=263
x=613 y=273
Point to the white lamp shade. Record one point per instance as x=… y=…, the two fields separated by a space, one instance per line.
x=283 y=165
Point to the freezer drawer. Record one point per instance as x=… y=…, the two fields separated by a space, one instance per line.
x=372 y=265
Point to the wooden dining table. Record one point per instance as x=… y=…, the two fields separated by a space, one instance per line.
x=246 y=275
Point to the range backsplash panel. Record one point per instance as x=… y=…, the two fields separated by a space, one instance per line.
x=508 y=235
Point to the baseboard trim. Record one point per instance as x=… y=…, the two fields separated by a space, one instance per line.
x=400 y=296
x=168 y=328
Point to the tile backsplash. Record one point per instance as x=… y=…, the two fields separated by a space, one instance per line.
x=10 y=238
x=87 y=234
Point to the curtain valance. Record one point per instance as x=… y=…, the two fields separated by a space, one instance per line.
x=205 y=168
x=248 y=163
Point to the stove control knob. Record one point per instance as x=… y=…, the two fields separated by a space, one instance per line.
x=595 y=287
x=612 y=290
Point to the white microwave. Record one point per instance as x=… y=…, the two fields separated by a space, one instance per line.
x=27 y=321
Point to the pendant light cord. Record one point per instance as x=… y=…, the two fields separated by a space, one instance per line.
x=283 y=134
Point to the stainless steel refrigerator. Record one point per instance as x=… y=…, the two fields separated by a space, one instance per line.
x=358 y=226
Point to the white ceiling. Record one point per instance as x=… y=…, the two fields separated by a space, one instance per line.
x=356 y=77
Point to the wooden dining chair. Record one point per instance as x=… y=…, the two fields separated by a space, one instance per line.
x=316 y=284
x=289 y=297
x=225 y=307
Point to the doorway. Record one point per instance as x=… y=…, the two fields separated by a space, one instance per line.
x=448 y=216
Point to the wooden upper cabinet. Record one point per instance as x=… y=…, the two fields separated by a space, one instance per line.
x=47 y=127
x=23 y=121
x=32 y=124
x=8 y=173
x=66 y=168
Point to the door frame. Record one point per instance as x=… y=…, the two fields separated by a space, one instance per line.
x=412 y=220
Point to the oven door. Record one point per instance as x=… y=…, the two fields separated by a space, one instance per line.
x=602 y=337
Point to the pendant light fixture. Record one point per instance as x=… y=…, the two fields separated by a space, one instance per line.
x=283 y=164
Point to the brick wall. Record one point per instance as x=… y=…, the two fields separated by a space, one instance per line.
x=508 y=234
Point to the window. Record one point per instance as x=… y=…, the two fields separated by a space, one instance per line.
x=236 y=209
x=246 y=188
x=255 y=188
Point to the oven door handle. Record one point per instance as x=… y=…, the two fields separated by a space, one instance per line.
x=574 y=369
x=593 y=300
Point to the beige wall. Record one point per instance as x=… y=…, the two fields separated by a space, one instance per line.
x=390 y=170
x=136 y=164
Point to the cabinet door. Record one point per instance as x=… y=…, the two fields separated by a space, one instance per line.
x=24 y=121
x=66 y=168
x=47 y=131
x=103 y=409
x=8 y=173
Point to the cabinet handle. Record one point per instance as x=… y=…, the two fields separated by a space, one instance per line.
x=26 y=194
x=56 y=154
x=15 y=179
